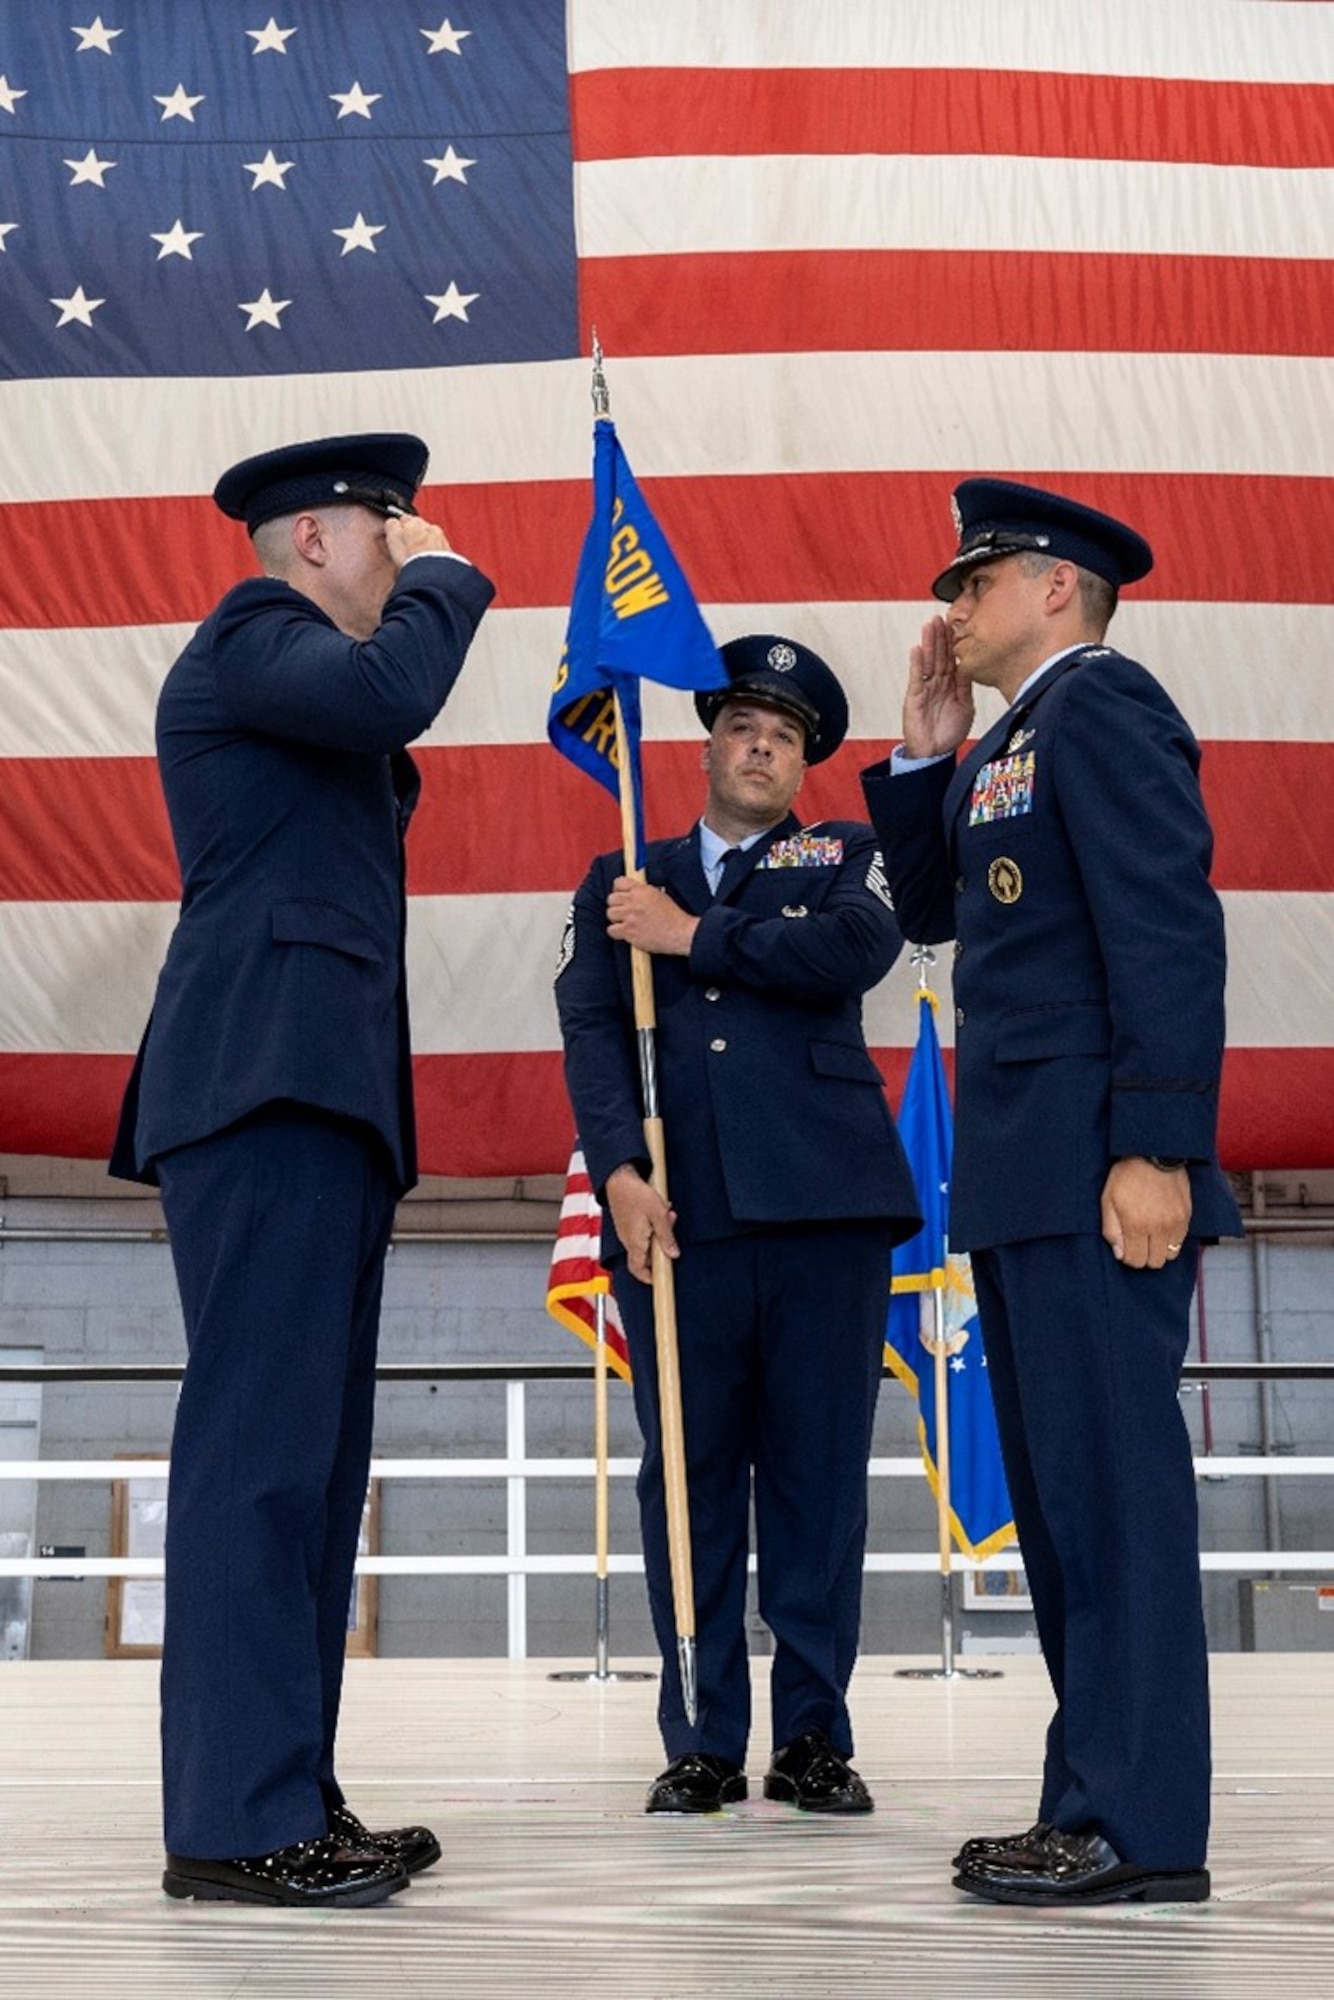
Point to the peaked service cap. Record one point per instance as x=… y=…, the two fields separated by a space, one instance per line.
x=782 y=673
x=379 y=469
x=998 y=517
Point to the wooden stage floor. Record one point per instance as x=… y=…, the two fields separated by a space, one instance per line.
x=556 y=1885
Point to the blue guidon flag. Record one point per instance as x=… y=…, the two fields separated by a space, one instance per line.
x=633 y=617
x=926 y=1270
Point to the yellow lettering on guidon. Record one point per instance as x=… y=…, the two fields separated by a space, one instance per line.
x=593 y=720
x=631 y=582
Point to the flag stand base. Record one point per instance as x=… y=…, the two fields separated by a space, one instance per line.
x=947 y=1671
x=600 y=1672
x=578 y=1674
x=949 y=1674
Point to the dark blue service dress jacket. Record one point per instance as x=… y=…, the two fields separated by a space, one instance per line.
x=773 y=1110
x=281 y=749
x=1068 y=856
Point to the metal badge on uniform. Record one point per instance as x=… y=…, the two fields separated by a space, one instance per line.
x=1005 y=879
x=795 y=910
x=1018 y=740
x=1003 y=789
x=805 y=850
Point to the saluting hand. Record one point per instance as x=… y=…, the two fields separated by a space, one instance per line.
x=408 y=535
x=938 y=706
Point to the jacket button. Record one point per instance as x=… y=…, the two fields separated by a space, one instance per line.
x=959 y=1017
x=712 y=993
x=959 y=885
x=717 y=1045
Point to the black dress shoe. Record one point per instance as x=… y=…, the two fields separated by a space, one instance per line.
x=810 y=1774
x=697 y=1783
x=1077 y=1868
x=1000 y=1843
x=309 y=1875
x=412 y=1847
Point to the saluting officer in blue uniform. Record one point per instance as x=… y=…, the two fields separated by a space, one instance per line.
x=788 y=1189
x=1067 y=853
x=272 y=1102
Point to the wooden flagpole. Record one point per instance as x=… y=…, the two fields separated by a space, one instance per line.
x=664 y=1288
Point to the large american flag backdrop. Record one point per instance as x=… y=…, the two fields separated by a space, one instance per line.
x=838 y=257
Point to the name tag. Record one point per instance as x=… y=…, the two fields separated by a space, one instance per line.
x=1003 y=789
x=805 y=850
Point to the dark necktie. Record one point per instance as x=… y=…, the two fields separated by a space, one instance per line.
x=734 y=861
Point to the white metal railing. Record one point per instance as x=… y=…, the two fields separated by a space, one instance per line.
x=517 y=1563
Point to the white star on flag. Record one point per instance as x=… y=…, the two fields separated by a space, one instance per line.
x=89 y=169
x=444 y=39
x=270 y=37
x=355 y=101
x=96 y=37
x=5 y=228
x=176 y=241
x=179 y=105
x=268 y=172
x=452 y=304
x=77 y=307
x=361 y=235
x=449 y=168
x=9 y=97
x=263 y=311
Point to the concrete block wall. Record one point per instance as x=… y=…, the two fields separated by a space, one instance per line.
x=115 y=1300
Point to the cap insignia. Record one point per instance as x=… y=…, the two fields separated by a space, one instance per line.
x=781 y=658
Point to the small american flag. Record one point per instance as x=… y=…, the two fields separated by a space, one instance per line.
x=577 y=1273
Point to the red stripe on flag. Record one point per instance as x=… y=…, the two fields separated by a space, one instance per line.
x=754 y=538
x=839 y=301
x=1272 y=808
x=481 y=1113
x=85 y=829
x=672 y=113
x=1277 y=1109
x=154 y=561
x=95 y=829
x=499 y=1114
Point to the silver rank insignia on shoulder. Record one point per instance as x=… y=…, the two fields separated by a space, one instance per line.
x=877 y=881
x=565 y=955
x=1018 y=740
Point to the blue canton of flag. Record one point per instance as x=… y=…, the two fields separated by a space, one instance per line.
x=633 y=617
x=186 y=193
x=932 y=1298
